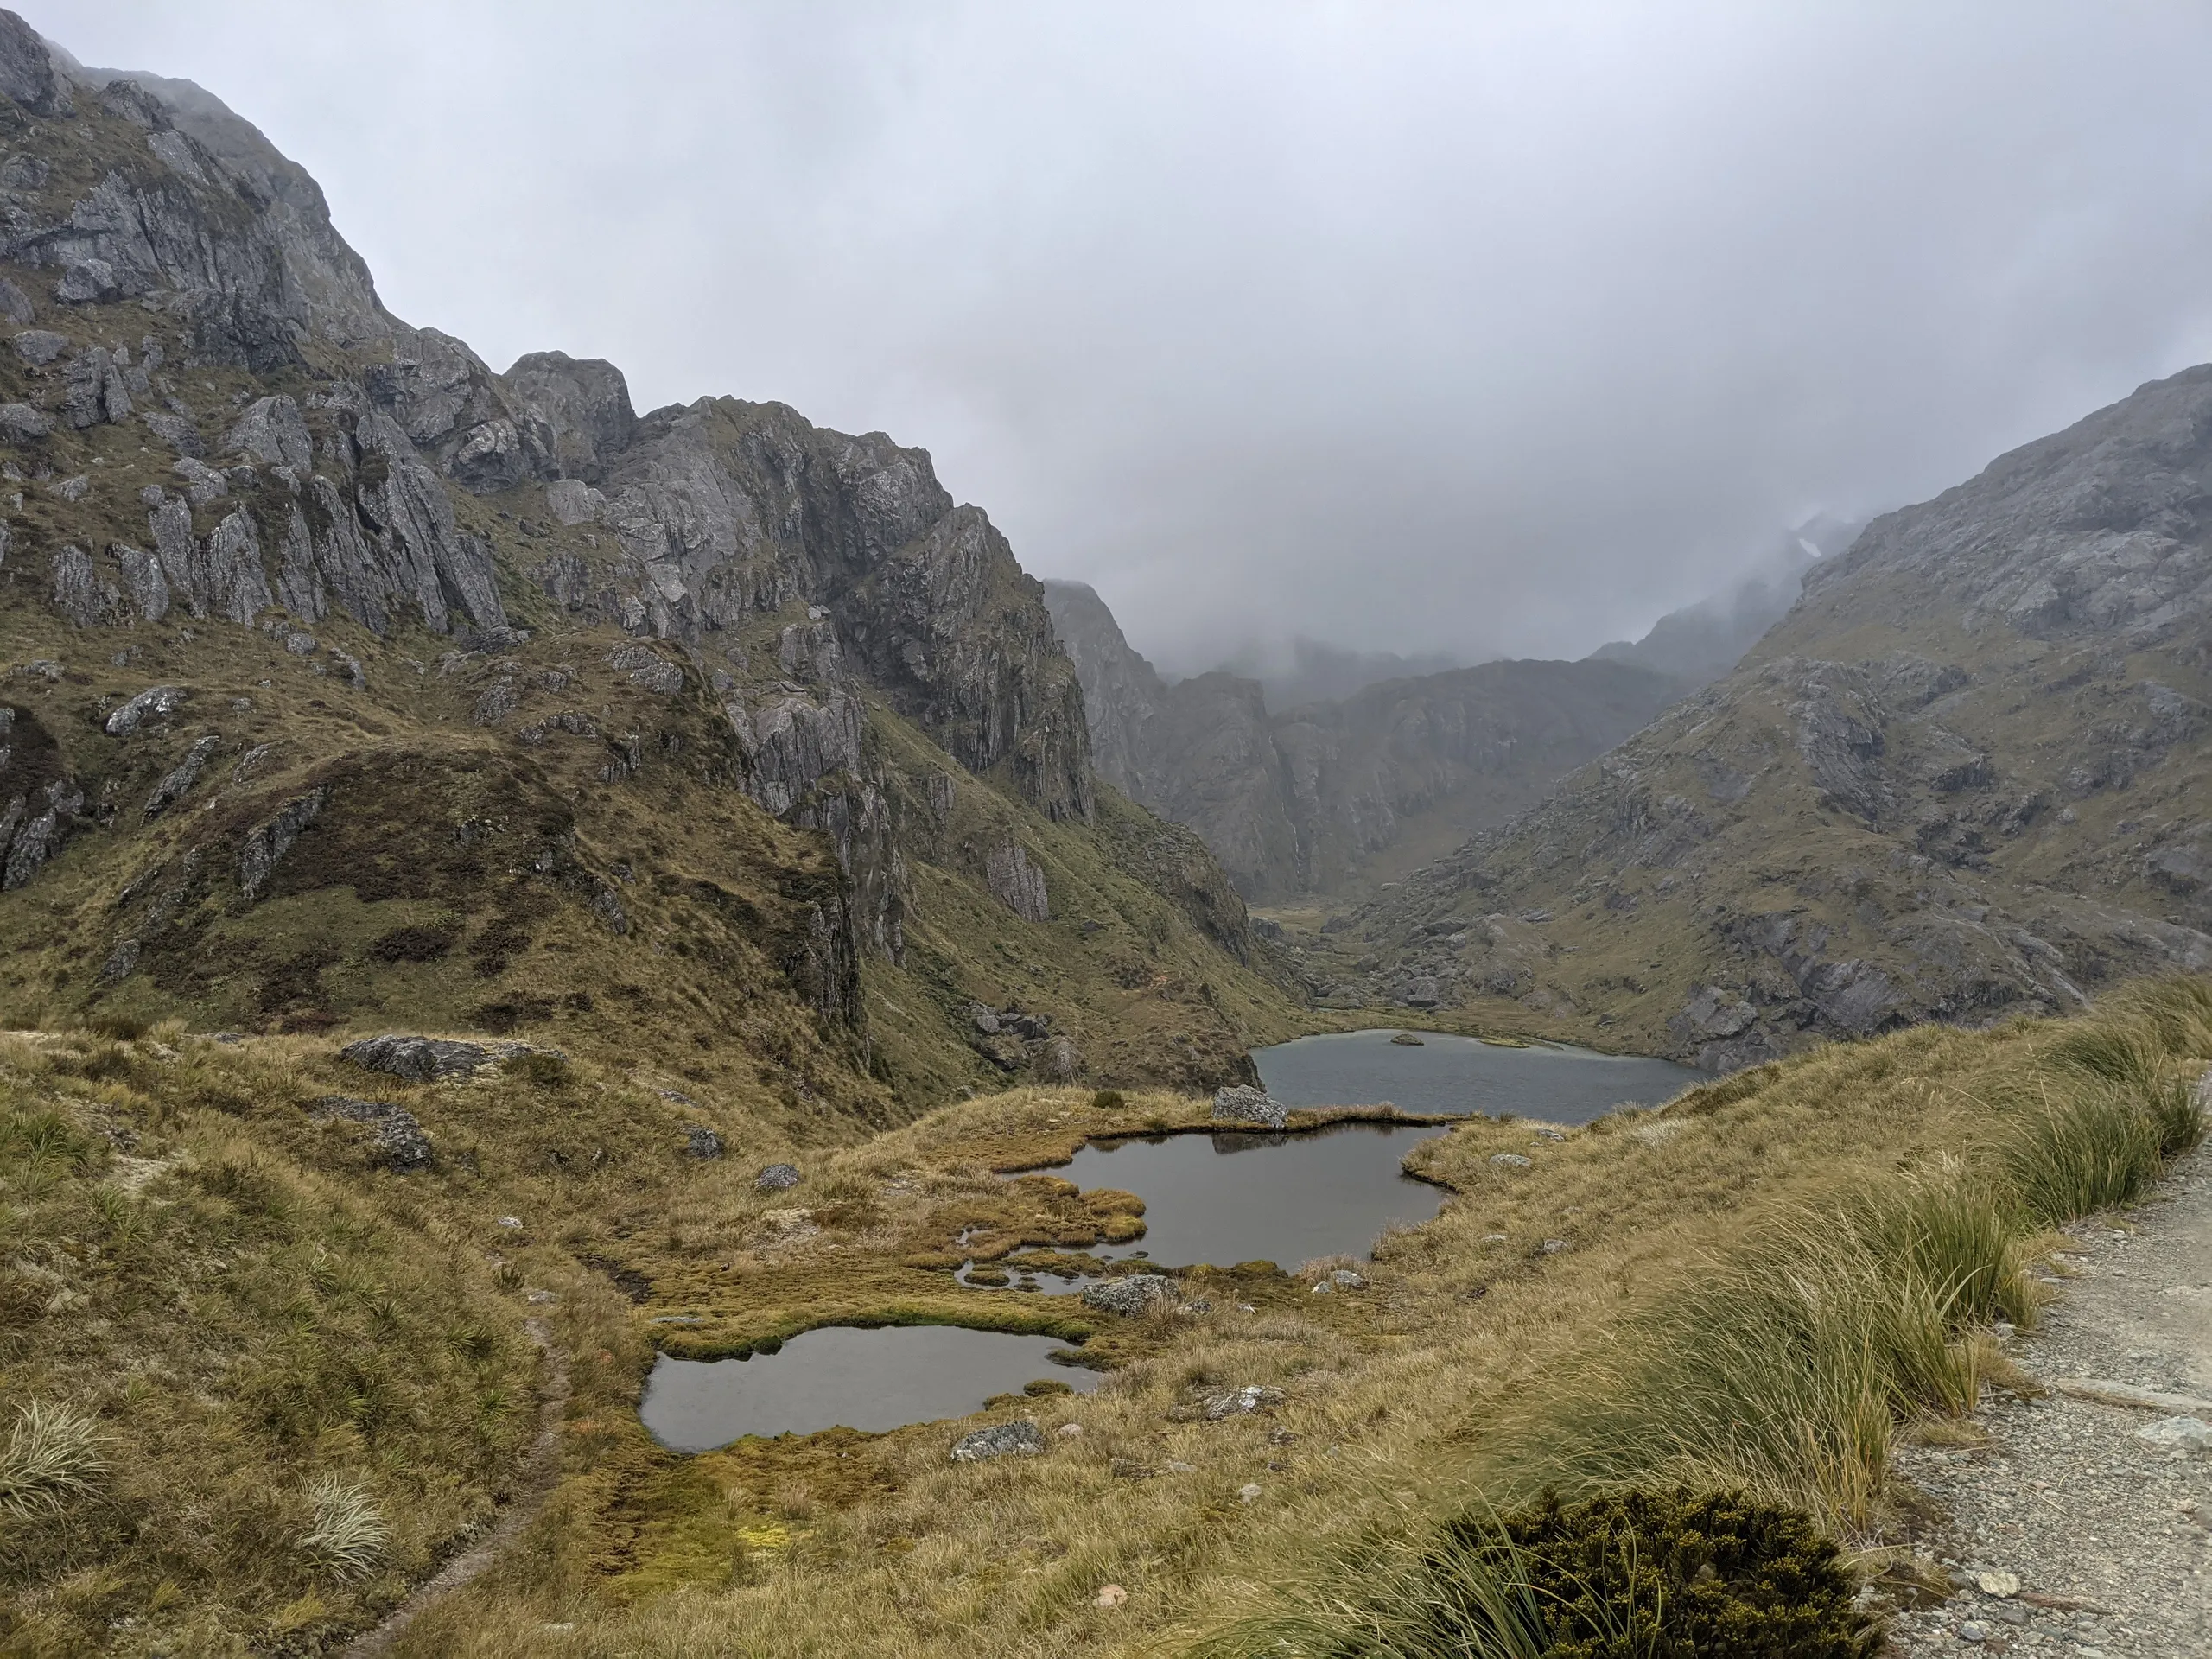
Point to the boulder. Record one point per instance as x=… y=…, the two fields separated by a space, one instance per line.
x=19 y=422
x=1021 y=1439
x=429 y=1059
x=1509 y=1161
x=703 y=1142
x=777 y=1178
x=1130 y=1296
x=1239 y=1103
x=2179 y=1433
x=40 y=346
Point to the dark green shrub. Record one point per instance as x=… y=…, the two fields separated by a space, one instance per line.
x=1633 y=1575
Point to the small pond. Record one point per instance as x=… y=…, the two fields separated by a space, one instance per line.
x=1459 y=1075
x=841 y=1376
x=1285 y=1199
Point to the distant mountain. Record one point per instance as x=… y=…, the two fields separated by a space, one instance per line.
x=1311 y=670
x=1328 y=795
x=1966 y=777
x=1699 y=643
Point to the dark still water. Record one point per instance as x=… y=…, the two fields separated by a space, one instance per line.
x=841 y=1376
x=1285 y=1199
x=1460 y=1075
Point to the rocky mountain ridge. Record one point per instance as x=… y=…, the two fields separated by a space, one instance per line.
x=1326 y=799
x=1957 y=781
x=413 y=660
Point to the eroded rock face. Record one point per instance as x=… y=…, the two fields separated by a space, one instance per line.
x=400 y=1137
x=777 y=1178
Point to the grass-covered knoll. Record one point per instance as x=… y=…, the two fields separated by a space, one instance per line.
x=243 y=1404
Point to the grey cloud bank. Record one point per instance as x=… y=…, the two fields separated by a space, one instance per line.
x=1476 y=330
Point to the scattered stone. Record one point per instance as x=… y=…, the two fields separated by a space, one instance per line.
x=1349 y=1279
x=1551 y=1246
x=1176 y=1468
x=1112 y=1595
x=1549 y=1132
x=1509 y=1161
x=1239 y=1103
x=776 y=1178
x=2179 y=1433
x=1406 y=1039
x=1325 y=1288
x=1249 y=1492
x=1973 y=1630
x=1022 y=1440
x=701 y=1143
x=1250 y=1398
x=1069 y=1431
x=1127 y=1469
x=430 y=1060
x=1997 y=1582
x=510 y=1221
x=155 y=702
x=1130 y=1296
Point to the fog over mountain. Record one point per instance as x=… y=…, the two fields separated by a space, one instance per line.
x=1434 y=330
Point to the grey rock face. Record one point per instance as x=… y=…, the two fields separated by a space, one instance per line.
x=1130 y=1296
x=777 y=1178
x=572 y=501
x=266 y=844
x=273 y=431
x=155 y=702
x=28 y=74
x=1016 y=882
x=16 y=305
x=584 y=408
x=430 y=1060
x=1240 y=1104
x=141 y=572
x=399 y=1134
x=701 y=1143
x=78 y=591
x=175 y=786
x=1021 y=1439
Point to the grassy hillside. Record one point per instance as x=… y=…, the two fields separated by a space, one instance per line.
x=1466 y=1366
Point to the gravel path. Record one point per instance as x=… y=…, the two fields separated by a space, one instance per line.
x=2104 y=1530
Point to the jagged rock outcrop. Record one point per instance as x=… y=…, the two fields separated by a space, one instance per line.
x=1958 y=781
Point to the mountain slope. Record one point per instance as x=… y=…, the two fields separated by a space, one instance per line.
x=353 y=683
x=1330 y=796
x=1960 y=780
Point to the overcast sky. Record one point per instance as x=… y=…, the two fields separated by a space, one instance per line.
x=1493 y=328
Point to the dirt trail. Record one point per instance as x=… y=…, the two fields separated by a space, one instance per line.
x=540 y=1468
x=2106 y=1530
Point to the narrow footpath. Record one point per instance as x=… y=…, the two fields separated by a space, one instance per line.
x=534 y=1479
x=2080 y=1530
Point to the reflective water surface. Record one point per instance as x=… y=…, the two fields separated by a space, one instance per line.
x=1459 y=1074
x=844 y=1377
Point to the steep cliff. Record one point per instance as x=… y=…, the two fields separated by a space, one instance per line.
x=1960 y=780
x=1329 y=798
x=353 y=682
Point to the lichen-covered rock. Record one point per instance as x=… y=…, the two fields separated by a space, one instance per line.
x=19 y=422
x=1021 y=1439
x=273 y=431
x=1244 y=1402
x=1129 y=1296
x=430 y=1060
x=701 y=1143
x=777 y=1178
x=155 y=702
x=79 y=592
x=1240 y=1103
x=174 y=784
